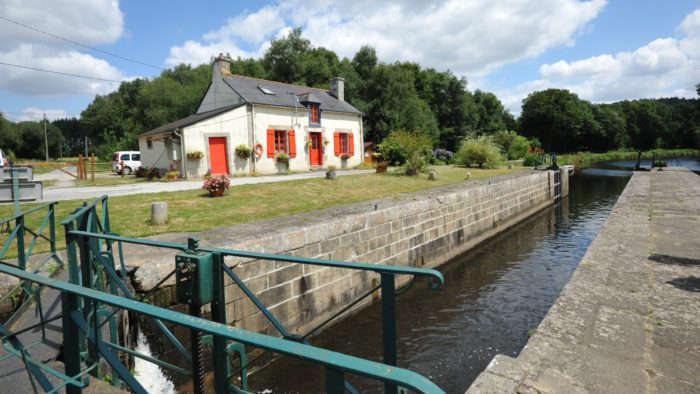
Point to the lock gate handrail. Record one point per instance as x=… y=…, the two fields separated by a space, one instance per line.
x=378 y=268
x=336 y=363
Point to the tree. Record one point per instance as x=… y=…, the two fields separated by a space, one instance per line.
x=558 y=118
x=490 y=113
x=644 y=125
x=32 y=145
x=395 y=105
x=284 y=59
x=512 y=145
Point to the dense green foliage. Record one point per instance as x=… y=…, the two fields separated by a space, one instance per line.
x=410 y=148
x=565 y=123
x=392 y=96
x=481 y=151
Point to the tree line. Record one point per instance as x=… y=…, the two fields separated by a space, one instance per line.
x=393 y=96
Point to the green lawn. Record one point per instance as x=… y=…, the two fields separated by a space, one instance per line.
x=193 y=210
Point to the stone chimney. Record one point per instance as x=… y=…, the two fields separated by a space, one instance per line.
x=222 y=65
x=338 y=88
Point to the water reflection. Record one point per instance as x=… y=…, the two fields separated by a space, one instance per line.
x=493 y=296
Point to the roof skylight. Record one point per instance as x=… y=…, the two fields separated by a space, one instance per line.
x=265 y=90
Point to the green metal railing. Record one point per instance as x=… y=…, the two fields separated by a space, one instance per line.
x=336 y=365
x=22 y=240
x=88 y=318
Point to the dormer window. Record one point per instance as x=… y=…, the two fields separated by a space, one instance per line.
x=314 y=114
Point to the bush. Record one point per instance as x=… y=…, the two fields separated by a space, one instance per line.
x=410 y=148
x=443 y=155
x=532 y=159
x=519 y=148
x=480 y=151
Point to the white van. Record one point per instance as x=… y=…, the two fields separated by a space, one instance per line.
x=131 y=159
x=4 y=161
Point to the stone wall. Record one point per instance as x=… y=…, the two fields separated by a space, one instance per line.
x=419 y=230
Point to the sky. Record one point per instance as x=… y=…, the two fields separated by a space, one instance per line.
x=604 y=51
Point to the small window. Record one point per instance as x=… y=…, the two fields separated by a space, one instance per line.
x=124 y=157
x=149 y=143
x=344 y=144
x=314 y=114
x=266 y=90
x=280 y=141
x=136 y=157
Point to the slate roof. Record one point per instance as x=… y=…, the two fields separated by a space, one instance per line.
x=249 y=89
x=192 y=119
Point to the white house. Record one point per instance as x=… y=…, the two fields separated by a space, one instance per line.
x=315 y=128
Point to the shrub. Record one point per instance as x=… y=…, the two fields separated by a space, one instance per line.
x=443 y=155
x=410 y=148
x=518 y=148
x=481 y=151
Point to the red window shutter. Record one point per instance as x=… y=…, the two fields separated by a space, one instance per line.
x=336 y=143
x=270 y=143
x=351 y=144
x=292 y=144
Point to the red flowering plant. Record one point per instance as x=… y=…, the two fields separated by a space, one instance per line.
x=221 y=182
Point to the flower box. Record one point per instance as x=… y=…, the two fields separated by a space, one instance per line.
x=216 y=186
x=195 y=155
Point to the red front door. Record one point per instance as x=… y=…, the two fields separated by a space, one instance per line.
x=217 y=155
x=316 y=149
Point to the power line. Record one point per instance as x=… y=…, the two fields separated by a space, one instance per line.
x=59 y=73
x=80 y=44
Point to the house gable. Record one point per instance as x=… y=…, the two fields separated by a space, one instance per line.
x=219 y=94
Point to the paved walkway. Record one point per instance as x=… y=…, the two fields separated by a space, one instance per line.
x=629 y=319
x=73 y=193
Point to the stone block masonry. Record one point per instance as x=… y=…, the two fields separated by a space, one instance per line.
x=422 y=229
x=628 y=321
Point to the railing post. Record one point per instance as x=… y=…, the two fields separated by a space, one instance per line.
x=389 y=325
x=71 y=340
x=52 y=229
x=21 y=255
x=335 y=381
x=218 y=314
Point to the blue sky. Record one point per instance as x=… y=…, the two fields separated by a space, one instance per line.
x=602 y=50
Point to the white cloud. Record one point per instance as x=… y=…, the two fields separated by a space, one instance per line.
x=86 y=21
x=25 y=81
x=35 y=114
x=468 y=37
x=662 y=68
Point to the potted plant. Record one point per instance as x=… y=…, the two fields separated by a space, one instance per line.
x=195 y=155
x=345 y=156
x=172 y=175
x=243 y=151
x=282 y=158
x=217 y=185
x=325 y=141
x=330 y=174
x=381 y=167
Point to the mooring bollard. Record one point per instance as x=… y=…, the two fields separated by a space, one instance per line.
x=159 y=212
x=432 y=175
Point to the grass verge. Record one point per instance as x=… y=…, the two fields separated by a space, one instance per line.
x=583 y=160
x=193 y=210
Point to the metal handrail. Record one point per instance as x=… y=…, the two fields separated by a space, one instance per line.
x=336 y=363
x=378 y=268
x=87 y=231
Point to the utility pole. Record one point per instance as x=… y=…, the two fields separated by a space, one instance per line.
x=86 y=146
x=46 y=138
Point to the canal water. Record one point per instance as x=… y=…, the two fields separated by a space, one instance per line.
x=493 y=297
